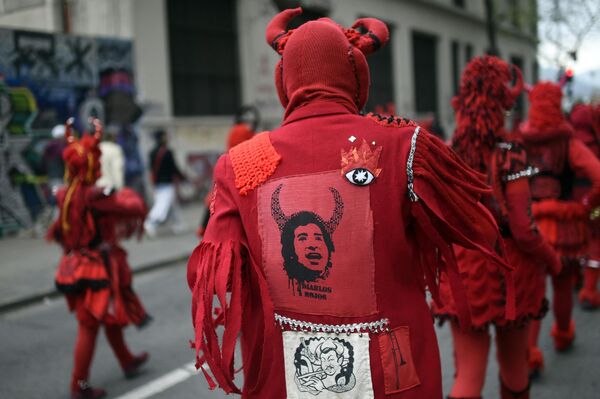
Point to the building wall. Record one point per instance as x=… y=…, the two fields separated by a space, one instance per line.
x=30 y=14
x=145 y=21
x=439 y=18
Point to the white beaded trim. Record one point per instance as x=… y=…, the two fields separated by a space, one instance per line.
x=530 y=171
x=299 y=325
x=594 y=264
x=504 y=146
x=409 y=165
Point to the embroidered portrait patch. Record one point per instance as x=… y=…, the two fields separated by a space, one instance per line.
x=327 y=365
x=317 y=240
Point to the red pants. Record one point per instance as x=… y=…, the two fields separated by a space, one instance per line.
x=562 y=300
x=88 y=327
x=471 y=349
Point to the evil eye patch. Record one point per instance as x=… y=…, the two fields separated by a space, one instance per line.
x=360 y=176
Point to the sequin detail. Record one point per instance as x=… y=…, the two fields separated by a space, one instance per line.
x=299 y=325
x=409 y=166
x=530 y=171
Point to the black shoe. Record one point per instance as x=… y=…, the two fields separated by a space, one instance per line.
x=133 y=369
x=85 y=391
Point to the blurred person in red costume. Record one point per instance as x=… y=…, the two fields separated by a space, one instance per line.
x=93 y=272
x=585 y=119
x=326 y=231
x=562 y=220
x=481 y=140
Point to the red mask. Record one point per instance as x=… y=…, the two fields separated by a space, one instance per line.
x=323 y=61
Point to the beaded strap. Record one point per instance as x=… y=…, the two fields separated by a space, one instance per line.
x=299 y=325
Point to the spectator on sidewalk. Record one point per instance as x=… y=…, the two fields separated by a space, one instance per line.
x=165 y=174
x=112 y=162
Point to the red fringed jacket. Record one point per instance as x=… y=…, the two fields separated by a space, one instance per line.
x=323 y=236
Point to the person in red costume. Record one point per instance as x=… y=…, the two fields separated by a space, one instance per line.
x=93 y=273
x=562 y=220
x=585 y=118
x=481 y=140
x=326 y=231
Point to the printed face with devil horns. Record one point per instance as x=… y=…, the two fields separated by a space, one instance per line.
x=306 y=242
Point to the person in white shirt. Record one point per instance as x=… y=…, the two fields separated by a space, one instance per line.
x=112 y=162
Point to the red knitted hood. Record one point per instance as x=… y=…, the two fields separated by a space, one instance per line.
x=582 y=118
x=323 y=61
x=546 y=119
x=480 y=105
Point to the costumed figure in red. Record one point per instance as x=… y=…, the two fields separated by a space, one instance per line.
x=325 y=233
x=481 y=140
x=562 y=220
x=93 y=272
x=585 y=119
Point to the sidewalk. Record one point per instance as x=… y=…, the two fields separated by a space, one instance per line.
x=27 y=265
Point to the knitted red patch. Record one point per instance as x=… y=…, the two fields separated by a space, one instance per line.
x=390 y=120
x=253 y=161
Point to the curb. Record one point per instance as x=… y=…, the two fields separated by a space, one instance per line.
x=52 y=293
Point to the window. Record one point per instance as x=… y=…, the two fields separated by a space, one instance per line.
x=455 y=66
x=520 y=103
x=468 y=53
x=203 y=57
x=381 y=92
x=513 y=13
x=424 y=49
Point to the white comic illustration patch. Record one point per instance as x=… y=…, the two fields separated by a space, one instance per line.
x=325 y=366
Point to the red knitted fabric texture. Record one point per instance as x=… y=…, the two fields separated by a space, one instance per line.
x=253 y=162
x=545 y=111
x=390 y=120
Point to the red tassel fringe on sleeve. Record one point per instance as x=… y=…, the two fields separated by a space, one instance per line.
x=215 y=269
x=445 y=195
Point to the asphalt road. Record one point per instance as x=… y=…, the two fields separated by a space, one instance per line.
x=36 y=352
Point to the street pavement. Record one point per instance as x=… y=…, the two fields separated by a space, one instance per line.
x=36 y=347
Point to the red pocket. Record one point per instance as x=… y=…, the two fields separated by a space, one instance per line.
x=399 y=372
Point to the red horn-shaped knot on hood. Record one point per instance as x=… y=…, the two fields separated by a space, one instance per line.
x=375 y=37
x=276 y=33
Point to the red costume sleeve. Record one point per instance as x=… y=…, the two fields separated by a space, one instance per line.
x=584 y=163
x=523 y=228
x=222 y=264
x=445 y=195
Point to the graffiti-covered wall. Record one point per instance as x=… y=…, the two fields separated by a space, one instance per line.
x=45 y=79
x=68 y=75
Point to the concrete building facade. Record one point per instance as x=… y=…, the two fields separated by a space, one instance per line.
x=196 y=61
